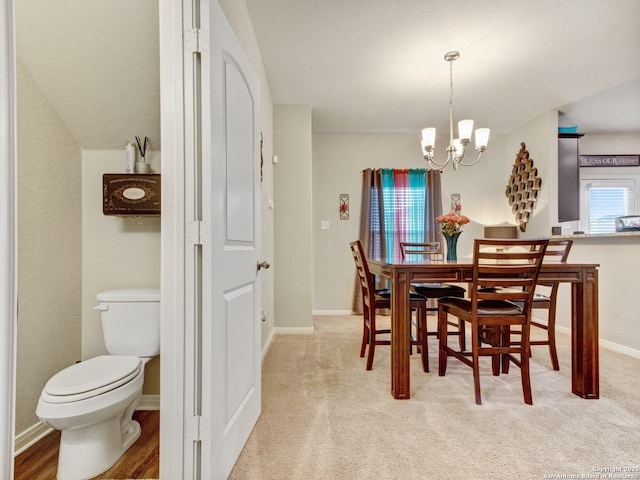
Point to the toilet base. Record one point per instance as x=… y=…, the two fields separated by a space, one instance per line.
x=87 y=452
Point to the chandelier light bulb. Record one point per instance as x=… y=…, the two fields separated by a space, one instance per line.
x=429 y=137
x=465 y=129
x=482 y=139
x=459 y=148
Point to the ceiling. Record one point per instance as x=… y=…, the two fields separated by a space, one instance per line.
x=378 y=65
x=365 y=66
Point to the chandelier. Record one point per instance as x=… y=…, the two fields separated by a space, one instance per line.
x=457 y=146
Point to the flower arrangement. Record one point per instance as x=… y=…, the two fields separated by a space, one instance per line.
x=452 y=222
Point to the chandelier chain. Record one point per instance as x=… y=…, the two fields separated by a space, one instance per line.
x=451 y=59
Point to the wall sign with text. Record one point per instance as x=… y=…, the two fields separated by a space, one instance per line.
x=609 y=160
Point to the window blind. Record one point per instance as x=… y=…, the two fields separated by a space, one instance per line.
x=608 y=199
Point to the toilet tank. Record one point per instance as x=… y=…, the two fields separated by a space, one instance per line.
x=131 y=321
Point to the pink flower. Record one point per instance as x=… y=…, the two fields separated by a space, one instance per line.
x=452 y=222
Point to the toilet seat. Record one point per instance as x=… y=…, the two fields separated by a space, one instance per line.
x=91 y=378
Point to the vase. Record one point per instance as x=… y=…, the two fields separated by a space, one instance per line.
x=452 y=245
x=141 y=166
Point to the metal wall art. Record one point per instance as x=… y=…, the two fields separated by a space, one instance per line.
x=523 y=188
x=456 y=206
x=344 y=206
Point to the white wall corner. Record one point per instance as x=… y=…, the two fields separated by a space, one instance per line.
x=267 y=344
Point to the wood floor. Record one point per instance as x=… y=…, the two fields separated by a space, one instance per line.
x=40 y=461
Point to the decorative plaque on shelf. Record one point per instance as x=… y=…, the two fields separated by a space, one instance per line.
x=131 y=194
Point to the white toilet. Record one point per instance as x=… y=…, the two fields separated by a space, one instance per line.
x=92 y=402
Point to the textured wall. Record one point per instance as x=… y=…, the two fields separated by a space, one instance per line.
x=50 y=247
x=338 y=161
x=293 y=213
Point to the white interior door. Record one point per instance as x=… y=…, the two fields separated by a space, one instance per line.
x=211 y=362
x=231 y=361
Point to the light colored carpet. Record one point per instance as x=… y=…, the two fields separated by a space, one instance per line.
x=325 y=417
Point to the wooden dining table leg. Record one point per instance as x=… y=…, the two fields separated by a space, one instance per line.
x=400 y=332
x=585 y=372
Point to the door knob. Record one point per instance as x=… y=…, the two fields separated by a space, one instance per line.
x=263 y=264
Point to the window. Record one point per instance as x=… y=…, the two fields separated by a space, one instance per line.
x=604 y=199
x=403 y=208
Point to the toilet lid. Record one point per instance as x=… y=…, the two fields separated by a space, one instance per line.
x=91 y=377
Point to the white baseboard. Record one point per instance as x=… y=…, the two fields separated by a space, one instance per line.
x=38 y=431
x=616 y=347
x=30 y=436
x=149 y=402
x=321 y=313
x=293 y=330
x=267 y=345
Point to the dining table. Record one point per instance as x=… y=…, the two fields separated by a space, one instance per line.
x=583 y=278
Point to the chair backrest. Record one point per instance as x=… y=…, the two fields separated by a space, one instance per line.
x=511 y=265
x=430 y=250
x=364 y=276
x=557 y=251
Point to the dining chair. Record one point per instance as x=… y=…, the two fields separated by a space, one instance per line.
x=513 y=267
x=545 y=298
x=432 y=251
x=372 y=300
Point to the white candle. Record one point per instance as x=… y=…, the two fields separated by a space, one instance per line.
x=131 y=157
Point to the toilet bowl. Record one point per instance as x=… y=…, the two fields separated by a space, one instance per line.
x=93 y=413
x=92 y=402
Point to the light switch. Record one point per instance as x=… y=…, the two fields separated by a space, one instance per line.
x=324 y=225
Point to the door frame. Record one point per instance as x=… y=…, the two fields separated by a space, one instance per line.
x=8 y=237
x=172 y=15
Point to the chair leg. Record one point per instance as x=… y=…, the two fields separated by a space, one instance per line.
x=442 y=342
x=524 y=365
x=372 y=349
x=475 y=346
x=365 y=332
x=365 y=336
x=462 y=338
x=495 y=339
x=551 y=335
x=506 y=342
x=422 y=337
x=372 y=336
x=526 y=380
